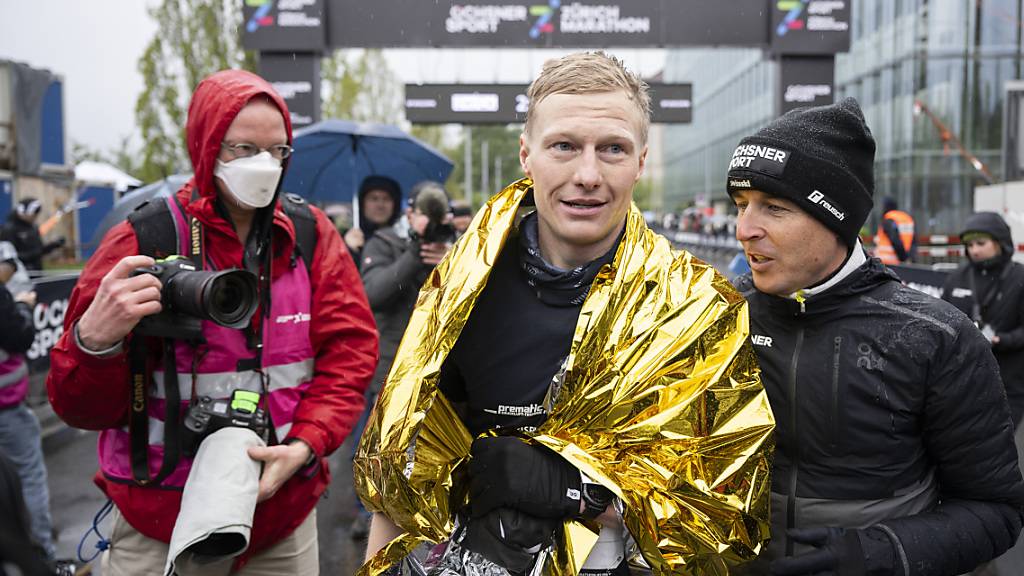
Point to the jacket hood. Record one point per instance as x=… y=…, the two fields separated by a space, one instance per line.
x=215 y=103
x=992 y=224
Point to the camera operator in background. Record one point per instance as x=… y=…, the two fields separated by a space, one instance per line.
x=396 y=261
x=306 y=355
x=989 y=288
x=379 y=201
x=21 y=230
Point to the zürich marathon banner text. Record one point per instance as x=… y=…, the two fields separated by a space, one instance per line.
x=783 y=26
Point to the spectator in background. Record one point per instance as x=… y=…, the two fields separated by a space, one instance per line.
x=20 y=435
x=17 y=549
x=462 y=215
x=13 y=274
x=379 y=201
x=989 y=288
x=895 y=242
x=21 y=230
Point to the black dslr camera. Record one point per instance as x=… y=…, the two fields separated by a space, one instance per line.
x=228 y=298
x=207 y=416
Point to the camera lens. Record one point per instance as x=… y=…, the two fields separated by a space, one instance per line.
x=229 y=298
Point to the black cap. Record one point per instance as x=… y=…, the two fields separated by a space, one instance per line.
x=820 y=158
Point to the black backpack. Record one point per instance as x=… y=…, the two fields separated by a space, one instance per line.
x=157 y=231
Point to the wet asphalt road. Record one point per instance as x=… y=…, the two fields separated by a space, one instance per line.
x=74 y=500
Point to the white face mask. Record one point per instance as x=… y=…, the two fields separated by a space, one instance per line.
x=253 y=180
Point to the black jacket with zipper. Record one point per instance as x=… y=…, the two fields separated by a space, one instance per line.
x=890 y=412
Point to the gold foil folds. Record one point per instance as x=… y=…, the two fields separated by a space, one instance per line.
x=661 y=402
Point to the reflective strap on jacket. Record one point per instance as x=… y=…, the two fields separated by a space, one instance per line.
x=221 y=384
x=11 y=378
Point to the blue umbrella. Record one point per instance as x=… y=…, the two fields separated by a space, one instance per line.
x=132 y=200
x=333 y=157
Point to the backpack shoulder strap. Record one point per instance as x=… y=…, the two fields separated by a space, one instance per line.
x=155 y=228
x=305 y=226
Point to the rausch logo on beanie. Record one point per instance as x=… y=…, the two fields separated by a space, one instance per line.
x=820 y=158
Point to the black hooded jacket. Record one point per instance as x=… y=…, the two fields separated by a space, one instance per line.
x=890 y=413
x=1000 y=299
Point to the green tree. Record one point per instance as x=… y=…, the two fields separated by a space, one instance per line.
x=194 y=38
x=359 y=85
x=503 y=144
x=124 y=156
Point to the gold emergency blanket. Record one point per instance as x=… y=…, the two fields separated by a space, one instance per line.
x=661 y=402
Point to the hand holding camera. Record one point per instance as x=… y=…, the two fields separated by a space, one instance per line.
x=122 y=300
x=432 y=253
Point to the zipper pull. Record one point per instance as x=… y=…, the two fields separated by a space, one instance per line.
x=800 y=298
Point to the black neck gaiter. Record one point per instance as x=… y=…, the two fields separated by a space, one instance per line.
x=554 y=286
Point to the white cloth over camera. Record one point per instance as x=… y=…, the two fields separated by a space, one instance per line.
x=219 y=499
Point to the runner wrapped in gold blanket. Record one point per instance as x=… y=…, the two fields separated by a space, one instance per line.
x=661 y=402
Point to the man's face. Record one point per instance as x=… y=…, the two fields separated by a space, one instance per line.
x=259 y=123
x=584 y=153
x=982 y=248
x=787 y=249
x=461 y=223
x=7 y=270
x=378 y=206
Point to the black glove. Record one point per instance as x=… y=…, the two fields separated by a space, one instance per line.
x=840 y=552
x=504 y=535
x=505 y=471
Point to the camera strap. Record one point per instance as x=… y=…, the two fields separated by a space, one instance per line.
x=139 y=419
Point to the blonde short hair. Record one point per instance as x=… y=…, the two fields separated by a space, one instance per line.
x=589 y=73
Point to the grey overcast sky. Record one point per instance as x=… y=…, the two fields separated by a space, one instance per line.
x=96 y=44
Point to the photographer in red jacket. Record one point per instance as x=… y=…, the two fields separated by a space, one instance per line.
x=309 y=350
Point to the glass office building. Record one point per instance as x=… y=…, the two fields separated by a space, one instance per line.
x=953 y=56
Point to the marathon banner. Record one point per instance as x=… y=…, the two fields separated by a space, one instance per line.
x=296 y=77
x=810 y=26
x=284 y=25
x=52 y=294
x=546 y=23
x=508 y=103
x=805 y=81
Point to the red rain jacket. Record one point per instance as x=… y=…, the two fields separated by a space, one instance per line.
x=93 y=393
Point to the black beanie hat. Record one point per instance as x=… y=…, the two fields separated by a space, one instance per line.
x=820 y=158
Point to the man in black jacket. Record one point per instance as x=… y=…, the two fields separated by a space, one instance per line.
x=989 y=288
x=895 y=452
x=21 y=230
